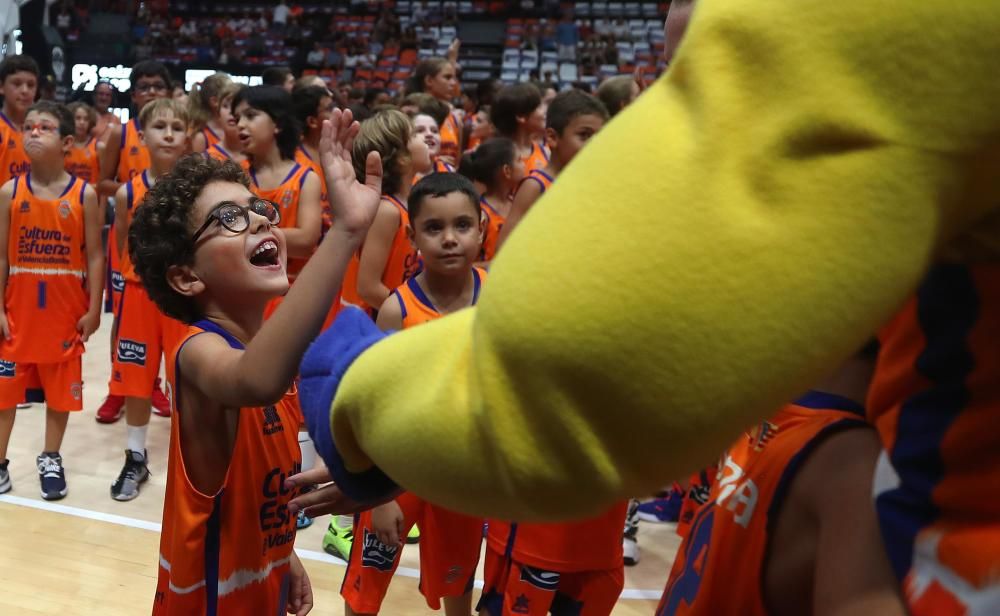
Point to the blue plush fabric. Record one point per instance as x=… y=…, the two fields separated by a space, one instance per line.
x=323 y=367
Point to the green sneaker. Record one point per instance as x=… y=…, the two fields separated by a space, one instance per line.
x=338 y=539
x=413 y=536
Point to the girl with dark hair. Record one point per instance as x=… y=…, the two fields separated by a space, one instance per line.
x=438 y=77
x=497 y=170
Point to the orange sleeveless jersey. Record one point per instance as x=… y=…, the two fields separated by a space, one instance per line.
x=13 y=160
x=559 y=546
x=719 y=566
x=537 y=159
x=47 y=269
x=303 y=158
x=210 y=137
x=403 y=260
x=935 y=400
x=417 y=308
x=286 y=195
x=450 y=138
x=229 y=552
x=133 y=158
x=83 y=163
x=494 y=223
x=136 y=190
x=541 y=177
x=218 y=152
x=439 y=166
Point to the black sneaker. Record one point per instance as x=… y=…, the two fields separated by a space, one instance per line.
x=630 y=536
x=5 y=484
x=134 y=473
x=51 y=475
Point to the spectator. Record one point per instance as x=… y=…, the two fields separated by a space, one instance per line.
x=280 y=76
x=104 y=96
x=64 y=20
x=262 y=24
x=204 y=51
x=610 y=55
x=620 y=30
x=530 y=38
x=409 y=39
x=618 y=92
x=335 y=59
x=317 y=57
x=143 y=50
x=279 y=19
x=567 y=38
x=189 y=30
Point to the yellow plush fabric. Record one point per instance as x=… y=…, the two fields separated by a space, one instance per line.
x=718 y=247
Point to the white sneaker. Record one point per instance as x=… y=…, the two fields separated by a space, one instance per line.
x=630 y=548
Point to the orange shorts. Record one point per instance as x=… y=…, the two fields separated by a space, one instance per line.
x=449 y=555
x=514 y=588
x=114 y=281
x=144 y=333
x=61 y=384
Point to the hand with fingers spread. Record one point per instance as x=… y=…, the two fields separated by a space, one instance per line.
x=327 y=499
x=352 y=204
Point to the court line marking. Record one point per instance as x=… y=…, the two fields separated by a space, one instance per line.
x=120 y=520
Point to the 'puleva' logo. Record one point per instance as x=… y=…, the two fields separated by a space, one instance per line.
x=377 y=554
x=131 y=352
x=6 y=369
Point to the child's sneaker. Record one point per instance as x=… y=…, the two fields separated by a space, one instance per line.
x=413 y=536
x=662 y=510
x=52 y=476
x=630 y=535
x=133 y=474
x=161 y=405
x=5 y=483
x=111 y=410
x=338 y=539
x=302 y=520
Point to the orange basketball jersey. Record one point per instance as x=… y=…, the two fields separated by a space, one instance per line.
x=83 y=163
x=417 y=308
x=538 y=158
x=439 y=166
x=286 y=195
x=218 y=152
x=494 y=223
x=935 y=400
x=560 y=546
x=451 y=138
x=135 y=192
x=719 y=566
x=133 y=158
x=229 y=552
x=402 y=264
x=541 y=177
x=47 y=269
x=13 y=160
x=211 y=138
x=303 y=158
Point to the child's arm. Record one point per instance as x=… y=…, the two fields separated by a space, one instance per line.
x=375 y=255
x=301 y=239
x=390 y=315
x=198 y=142
x=526 y=195
x=264 y=371
x=108 y=159
x=92 y=224
x=6 y=193
x=121 y=218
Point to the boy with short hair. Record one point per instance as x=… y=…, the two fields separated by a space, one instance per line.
x=124 y=157
x=51 y=279
x=210 y=253
x=446 y=227
x=573 y=118
x=18 y=84
x=143 y=331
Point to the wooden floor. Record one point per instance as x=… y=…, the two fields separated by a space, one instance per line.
x=88 y=554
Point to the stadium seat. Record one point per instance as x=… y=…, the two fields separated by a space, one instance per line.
x=567 y=72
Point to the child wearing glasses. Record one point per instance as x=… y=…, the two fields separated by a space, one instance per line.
x=211 y=254
x=143 y=333
x=123 y=157
x=51 y=279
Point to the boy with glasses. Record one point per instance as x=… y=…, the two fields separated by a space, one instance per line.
x=210 y=253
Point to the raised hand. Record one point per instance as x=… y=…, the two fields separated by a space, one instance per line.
x=352 y=204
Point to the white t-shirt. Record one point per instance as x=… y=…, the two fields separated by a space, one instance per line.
x=280 y=15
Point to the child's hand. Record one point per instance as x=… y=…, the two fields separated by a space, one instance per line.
x=300 y=595
x=387 y=522
x=4 y=326
x=352 y=204
x=87 y=325
x=453 y=50
x=323 y=500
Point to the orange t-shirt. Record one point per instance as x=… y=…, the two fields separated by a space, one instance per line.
x=719 y=566
x=286 y=195
x=229 y=552
x=403 y=261
x=417 y=308
x=494 y=223
x=46 y=291
x=133 y=157
x=135 y=192
x=537 y=159
x=451 y=138
x=13 y=160
x=83 y=163
x=935 y=401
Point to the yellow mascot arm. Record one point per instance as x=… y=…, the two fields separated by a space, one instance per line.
x=737 y=232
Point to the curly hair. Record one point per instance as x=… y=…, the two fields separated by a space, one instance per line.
x=160 y=234
x=388 y=132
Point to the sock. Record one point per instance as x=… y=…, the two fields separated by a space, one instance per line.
x=308 y=450
x=345 y=521
x=137 y=438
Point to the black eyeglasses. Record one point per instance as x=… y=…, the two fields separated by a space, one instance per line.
x=149 y=87
x=236 y=218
